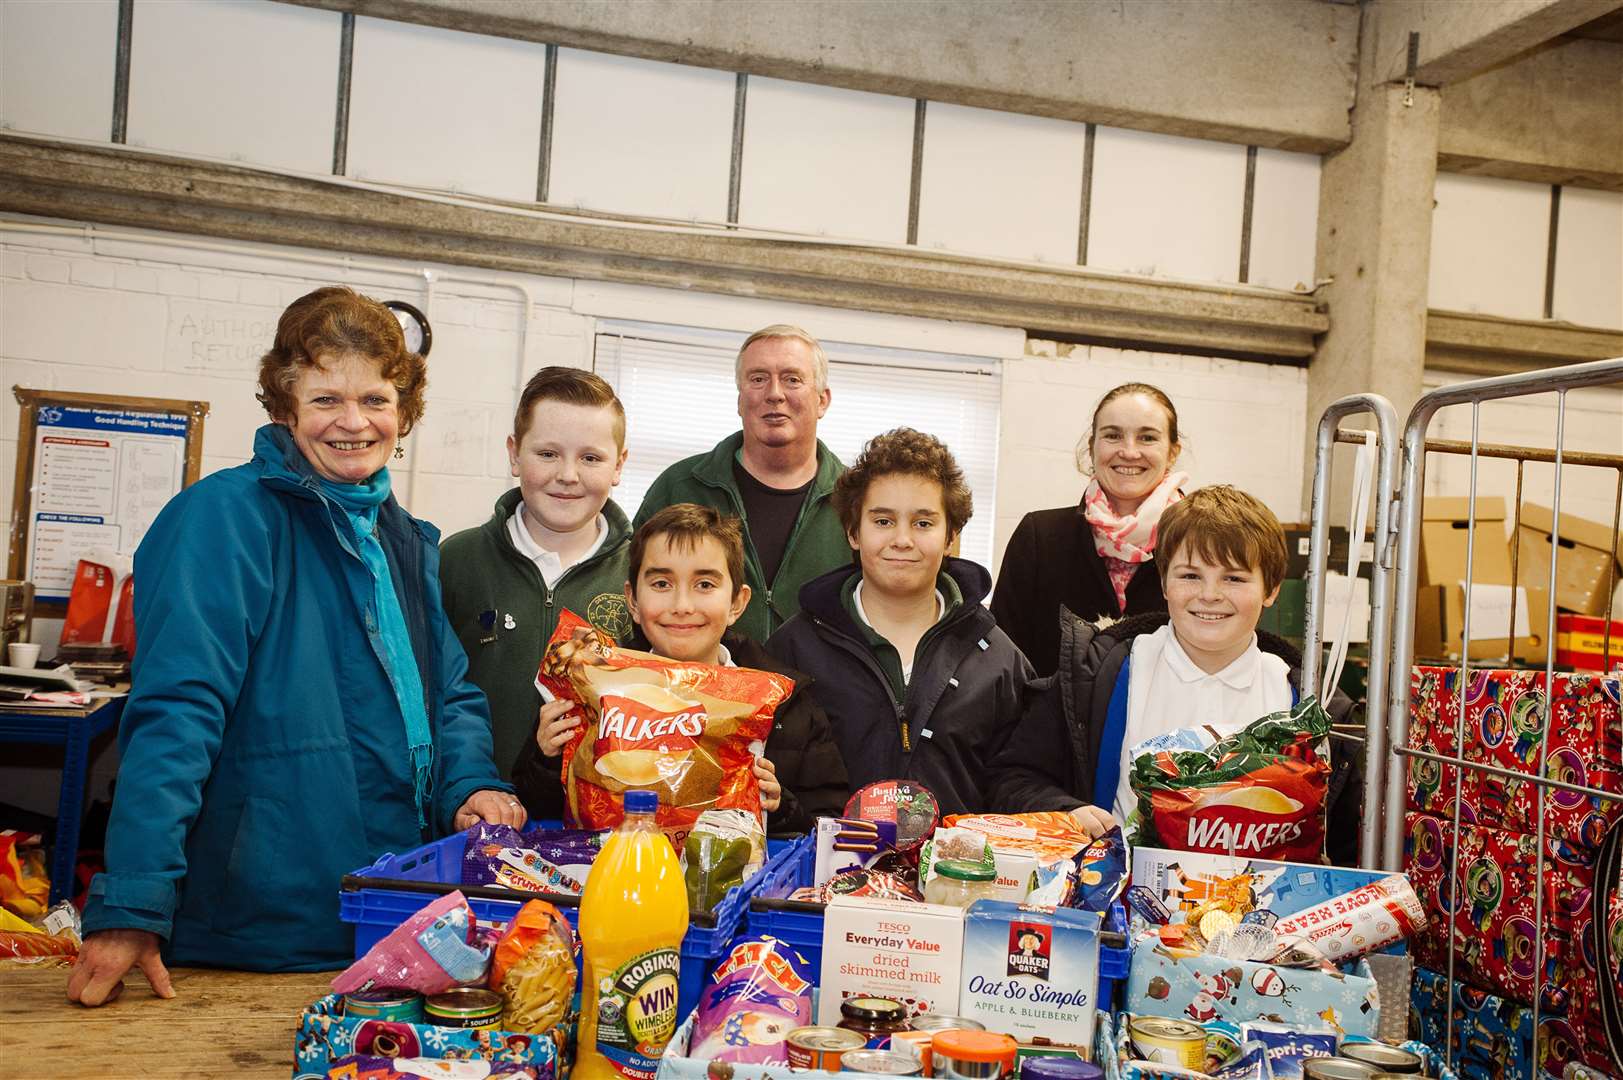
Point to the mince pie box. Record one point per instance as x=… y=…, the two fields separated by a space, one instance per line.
x=1031 y=971
x=894 y=949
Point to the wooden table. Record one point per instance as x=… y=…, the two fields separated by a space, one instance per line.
x=218 y=1024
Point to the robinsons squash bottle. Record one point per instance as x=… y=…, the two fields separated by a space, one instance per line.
x=633 y=914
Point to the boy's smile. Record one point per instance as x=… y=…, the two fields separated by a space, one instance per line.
x=683 y=598
x=1214 y=608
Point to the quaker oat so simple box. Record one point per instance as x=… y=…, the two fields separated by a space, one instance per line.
x=1031 y=971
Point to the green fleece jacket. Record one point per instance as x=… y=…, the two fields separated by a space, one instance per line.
x=503 y=613
x=816 y=546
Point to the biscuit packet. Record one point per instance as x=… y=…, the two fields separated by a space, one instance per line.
x=689 y=732
x=1260 y=793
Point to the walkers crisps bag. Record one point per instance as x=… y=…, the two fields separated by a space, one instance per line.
x=687 y=731
x=1260 y=792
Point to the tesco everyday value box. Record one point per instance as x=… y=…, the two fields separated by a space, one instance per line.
x=1031 y=971
x=896 y=949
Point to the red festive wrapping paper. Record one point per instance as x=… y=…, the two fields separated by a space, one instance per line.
x=1502 y=718
x=1493 y=926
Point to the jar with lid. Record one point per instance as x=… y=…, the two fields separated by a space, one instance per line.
x=957 y=883
x=972 y=1055
x=876 y=1019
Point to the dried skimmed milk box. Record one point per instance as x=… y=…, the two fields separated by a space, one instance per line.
x=1031 y=971
x=892 y=949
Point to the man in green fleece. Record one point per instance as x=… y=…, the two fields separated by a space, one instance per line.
x=556 y=541
x=774 y=474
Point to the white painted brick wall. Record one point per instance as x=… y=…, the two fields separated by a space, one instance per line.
x=1241 y=423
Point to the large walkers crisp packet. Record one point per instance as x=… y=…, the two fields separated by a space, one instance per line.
x=1260 y=792
x=687 y=731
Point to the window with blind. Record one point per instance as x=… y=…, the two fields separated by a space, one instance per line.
x=680 y=398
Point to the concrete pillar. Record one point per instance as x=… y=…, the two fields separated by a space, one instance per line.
x=1374 y=247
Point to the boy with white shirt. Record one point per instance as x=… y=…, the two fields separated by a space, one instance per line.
x=555 y=541
x=1202 y=663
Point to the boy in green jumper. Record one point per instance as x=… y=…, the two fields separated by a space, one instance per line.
x=555 y=541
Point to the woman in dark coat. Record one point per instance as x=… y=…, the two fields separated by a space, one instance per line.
x=1096 y=558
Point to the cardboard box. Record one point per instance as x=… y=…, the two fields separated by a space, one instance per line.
x=1207 y=988
x=1183 y=879
x=892 y=949
x=1583 y=573
x=1444 y=535
x=1581 y=644
x=1298 y=545
x=1032 y=972
x=1439 y=623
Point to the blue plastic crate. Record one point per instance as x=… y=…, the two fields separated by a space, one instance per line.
x=801 y=924
x=376 y=911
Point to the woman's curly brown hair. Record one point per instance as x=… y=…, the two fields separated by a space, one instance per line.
x=911 y=453
x=337 y=321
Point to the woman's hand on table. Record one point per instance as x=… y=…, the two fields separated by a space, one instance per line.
x=771 y=790
x=1096 y=820
x=106 y=956
x=496 y=807
x=558 y=718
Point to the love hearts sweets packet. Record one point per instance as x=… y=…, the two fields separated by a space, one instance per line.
x=1259 y=793
x=689 y=732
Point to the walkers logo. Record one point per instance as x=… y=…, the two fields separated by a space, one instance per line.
x=1245 y=818
x=1030 y=949
x=646 y=733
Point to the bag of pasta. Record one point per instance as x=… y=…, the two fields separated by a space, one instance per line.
x=689 y=732
x=533 y=969
x=1260 y=793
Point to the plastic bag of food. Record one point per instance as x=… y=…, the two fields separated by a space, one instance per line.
x=760 y=992
x=725 y=848
x=533 y=969
x=687 y=731
x=428 y=953
x=24 y=885
x=1259 y=793
x=541 y=860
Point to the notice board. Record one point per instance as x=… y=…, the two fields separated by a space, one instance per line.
x=93 y=470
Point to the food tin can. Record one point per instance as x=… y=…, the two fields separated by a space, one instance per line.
x=1169 y=1042
x=464 y=1007
x=1337 y=1068
x=403 y=1006
x=819 y=1048
x=916 y=1043
x=972 y=1055
x=882 y=1062
x=1390 y=1059
x=943 y=1022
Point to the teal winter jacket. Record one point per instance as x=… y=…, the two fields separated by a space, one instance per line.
x=263 y=754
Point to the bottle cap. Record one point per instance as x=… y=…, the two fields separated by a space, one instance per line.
x=1059 y=1068
x=642 y=802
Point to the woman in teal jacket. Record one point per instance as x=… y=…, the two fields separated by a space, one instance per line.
x=298 y=703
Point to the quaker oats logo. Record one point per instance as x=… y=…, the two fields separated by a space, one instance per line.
x=1029 y=945
x=608 y=612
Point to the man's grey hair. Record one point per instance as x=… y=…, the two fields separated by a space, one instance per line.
x=784 y=330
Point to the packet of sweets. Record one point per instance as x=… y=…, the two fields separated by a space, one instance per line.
x=758 y=994
x=1260 y=793
x=430 y=952
x=689 y=732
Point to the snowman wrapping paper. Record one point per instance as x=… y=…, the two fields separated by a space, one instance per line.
x=1207 y=988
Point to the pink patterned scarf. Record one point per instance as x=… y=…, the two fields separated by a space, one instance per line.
x=1129 y=538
